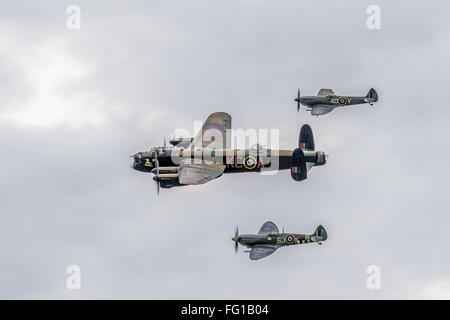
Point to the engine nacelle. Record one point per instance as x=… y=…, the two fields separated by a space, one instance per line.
x=167 y=181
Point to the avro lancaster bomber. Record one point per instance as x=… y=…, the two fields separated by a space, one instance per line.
x=209 y=155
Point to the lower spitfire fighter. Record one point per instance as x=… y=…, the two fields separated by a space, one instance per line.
x=270 y=239
x=208 y=156
x=326 y=101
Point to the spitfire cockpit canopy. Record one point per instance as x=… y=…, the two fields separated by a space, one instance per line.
x=325 y=92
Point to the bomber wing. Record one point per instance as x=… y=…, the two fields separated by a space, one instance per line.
x=190 y=173
x=261 y=252
x=325 y=92
x=268 y=227
x=214 y=132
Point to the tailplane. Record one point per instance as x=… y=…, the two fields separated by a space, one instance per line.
x=299 y=170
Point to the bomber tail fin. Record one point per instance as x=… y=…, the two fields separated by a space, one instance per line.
x=298 y=161
x=306 y=138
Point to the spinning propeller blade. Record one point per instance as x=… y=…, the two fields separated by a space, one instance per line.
x=236 y=243
x=157 y=174
x=298 y=100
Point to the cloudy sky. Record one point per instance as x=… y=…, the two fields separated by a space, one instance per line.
x=76 y=103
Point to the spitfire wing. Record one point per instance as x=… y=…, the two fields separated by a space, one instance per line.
x=190 y=173
x=214 y=132
x=325 y=92
x=261 y=252
x=268 y=227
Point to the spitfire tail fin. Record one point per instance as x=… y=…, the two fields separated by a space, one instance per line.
x=321 y=233
x=372 y=95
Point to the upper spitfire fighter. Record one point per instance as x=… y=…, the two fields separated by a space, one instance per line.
x=208 y=156
x=270 y=239
x=326 y=101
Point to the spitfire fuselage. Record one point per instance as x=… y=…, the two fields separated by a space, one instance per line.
x=334 y=101
x=269 y=239
x=279 y=239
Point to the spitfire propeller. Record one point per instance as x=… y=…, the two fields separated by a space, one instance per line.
x=156 y=177
x=156 y=172
x=235 y=239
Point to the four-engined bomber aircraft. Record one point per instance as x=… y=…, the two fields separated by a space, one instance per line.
x=208 y=156
x=270 y=239
x=326 y=101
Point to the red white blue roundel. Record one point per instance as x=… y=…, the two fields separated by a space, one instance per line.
x=342 y=101
x=289 y=239
x=250 y=162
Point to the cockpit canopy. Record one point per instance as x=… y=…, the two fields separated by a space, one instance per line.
x=325 y=92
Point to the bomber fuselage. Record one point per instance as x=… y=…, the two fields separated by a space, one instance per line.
x=236 y=160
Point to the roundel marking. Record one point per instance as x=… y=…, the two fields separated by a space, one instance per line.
x=250 y=162
x=342 y=101
x=289 y=239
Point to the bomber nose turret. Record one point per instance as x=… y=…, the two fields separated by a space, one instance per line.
x=137 y=160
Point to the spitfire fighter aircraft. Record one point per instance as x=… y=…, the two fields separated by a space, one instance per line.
x=326 y=101
x=270 y=239
x=209 y=155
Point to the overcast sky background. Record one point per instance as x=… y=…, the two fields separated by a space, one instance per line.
x=75 y=105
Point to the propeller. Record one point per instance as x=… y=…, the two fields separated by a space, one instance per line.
x=298 y=100
x=236 y=243
x=156 y=178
